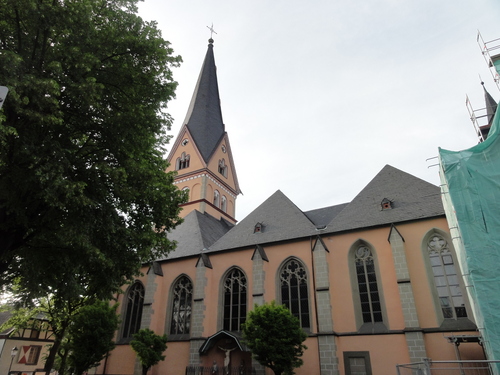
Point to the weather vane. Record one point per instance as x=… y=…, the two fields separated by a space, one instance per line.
x=212 y=31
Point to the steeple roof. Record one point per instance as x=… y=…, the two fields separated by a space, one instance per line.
x=204 y=116
x=491 y=104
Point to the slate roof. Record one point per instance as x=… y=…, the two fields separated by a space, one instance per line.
x=204 y=116
x=491 y=105
x=281 y=220
x=411 y=197
x=322 y=216
x=197 y=232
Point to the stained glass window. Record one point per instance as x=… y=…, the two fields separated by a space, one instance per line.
x=294 y=291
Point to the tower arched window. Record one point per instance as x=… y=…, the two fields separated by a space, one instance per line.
x=371 y=307
x=216 y=198
x=133 y=310
x=182 y=161
x=235 y=300
x=223 y=203
x=186 y=190
x=223 y=167
x=181 y=306
x=446 y=279
x=294 y=291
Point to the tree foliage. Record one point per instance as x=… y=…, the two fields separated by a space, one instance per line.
x=90 y=336
x=82 y=138
x=84 y=197
x=149 y=348
x=57 y=316
x=275 y=337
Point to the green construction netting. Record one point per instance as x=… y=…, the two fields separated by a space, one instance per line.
x=497 y=65
x=471 y=196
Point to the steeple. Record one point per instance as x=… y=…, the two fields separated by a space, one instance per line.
x=202 y=155
x=204 y=116
x=491 y=105
x=482 y=118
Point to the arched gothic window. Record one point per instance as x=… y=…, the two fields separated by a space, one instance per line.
x=235 y=300
x=223 y=203
x=369 y=296
x=182 y=162
x=223 y=167
x=294 y=293
x=181 y=307
x=216 y=198
x=133 y=311
x=446 y=278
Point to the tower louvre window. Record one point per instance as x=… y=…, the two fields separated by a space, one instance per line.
x=216 y=198
x=223 y=168
x=223 y=203
x=182 y=162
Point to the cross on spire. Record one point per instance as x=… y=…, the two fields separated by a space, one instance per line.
x=212 y=31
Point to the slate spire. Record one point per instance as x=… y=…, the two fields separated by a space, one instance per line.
x=204 y=116
x=491 y=105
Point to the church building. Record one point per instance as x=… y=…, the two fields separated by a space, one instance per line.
x=374 y=282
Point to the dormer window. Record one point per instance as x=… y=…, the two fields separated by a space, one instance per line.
x=258 y=228
x=182 y=162
x=223 y=168
x=386 y=204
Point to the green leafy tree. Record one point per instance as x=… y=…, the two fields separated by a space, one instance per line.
x=275 y=337
x=90 y=336
x=149 y=348
x=83 y=333
x=82 y=139
x=84 y=197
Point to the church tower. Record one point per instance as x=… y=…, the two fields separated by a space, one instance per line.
x=201 y=154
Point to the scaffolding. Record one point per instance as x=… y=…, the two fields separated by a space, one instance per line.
x=430 y=367
x=491 y=54
x=479 y=118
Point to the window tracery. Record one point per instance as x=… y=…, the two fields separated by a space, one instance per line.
x=367 y=285
x=181 y=307
x=235 y=300
x=133 y=312
x=294 y=291
x=446 y=279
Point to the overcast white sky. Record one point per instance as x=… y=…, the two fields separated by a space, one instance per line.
x=317 y=96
